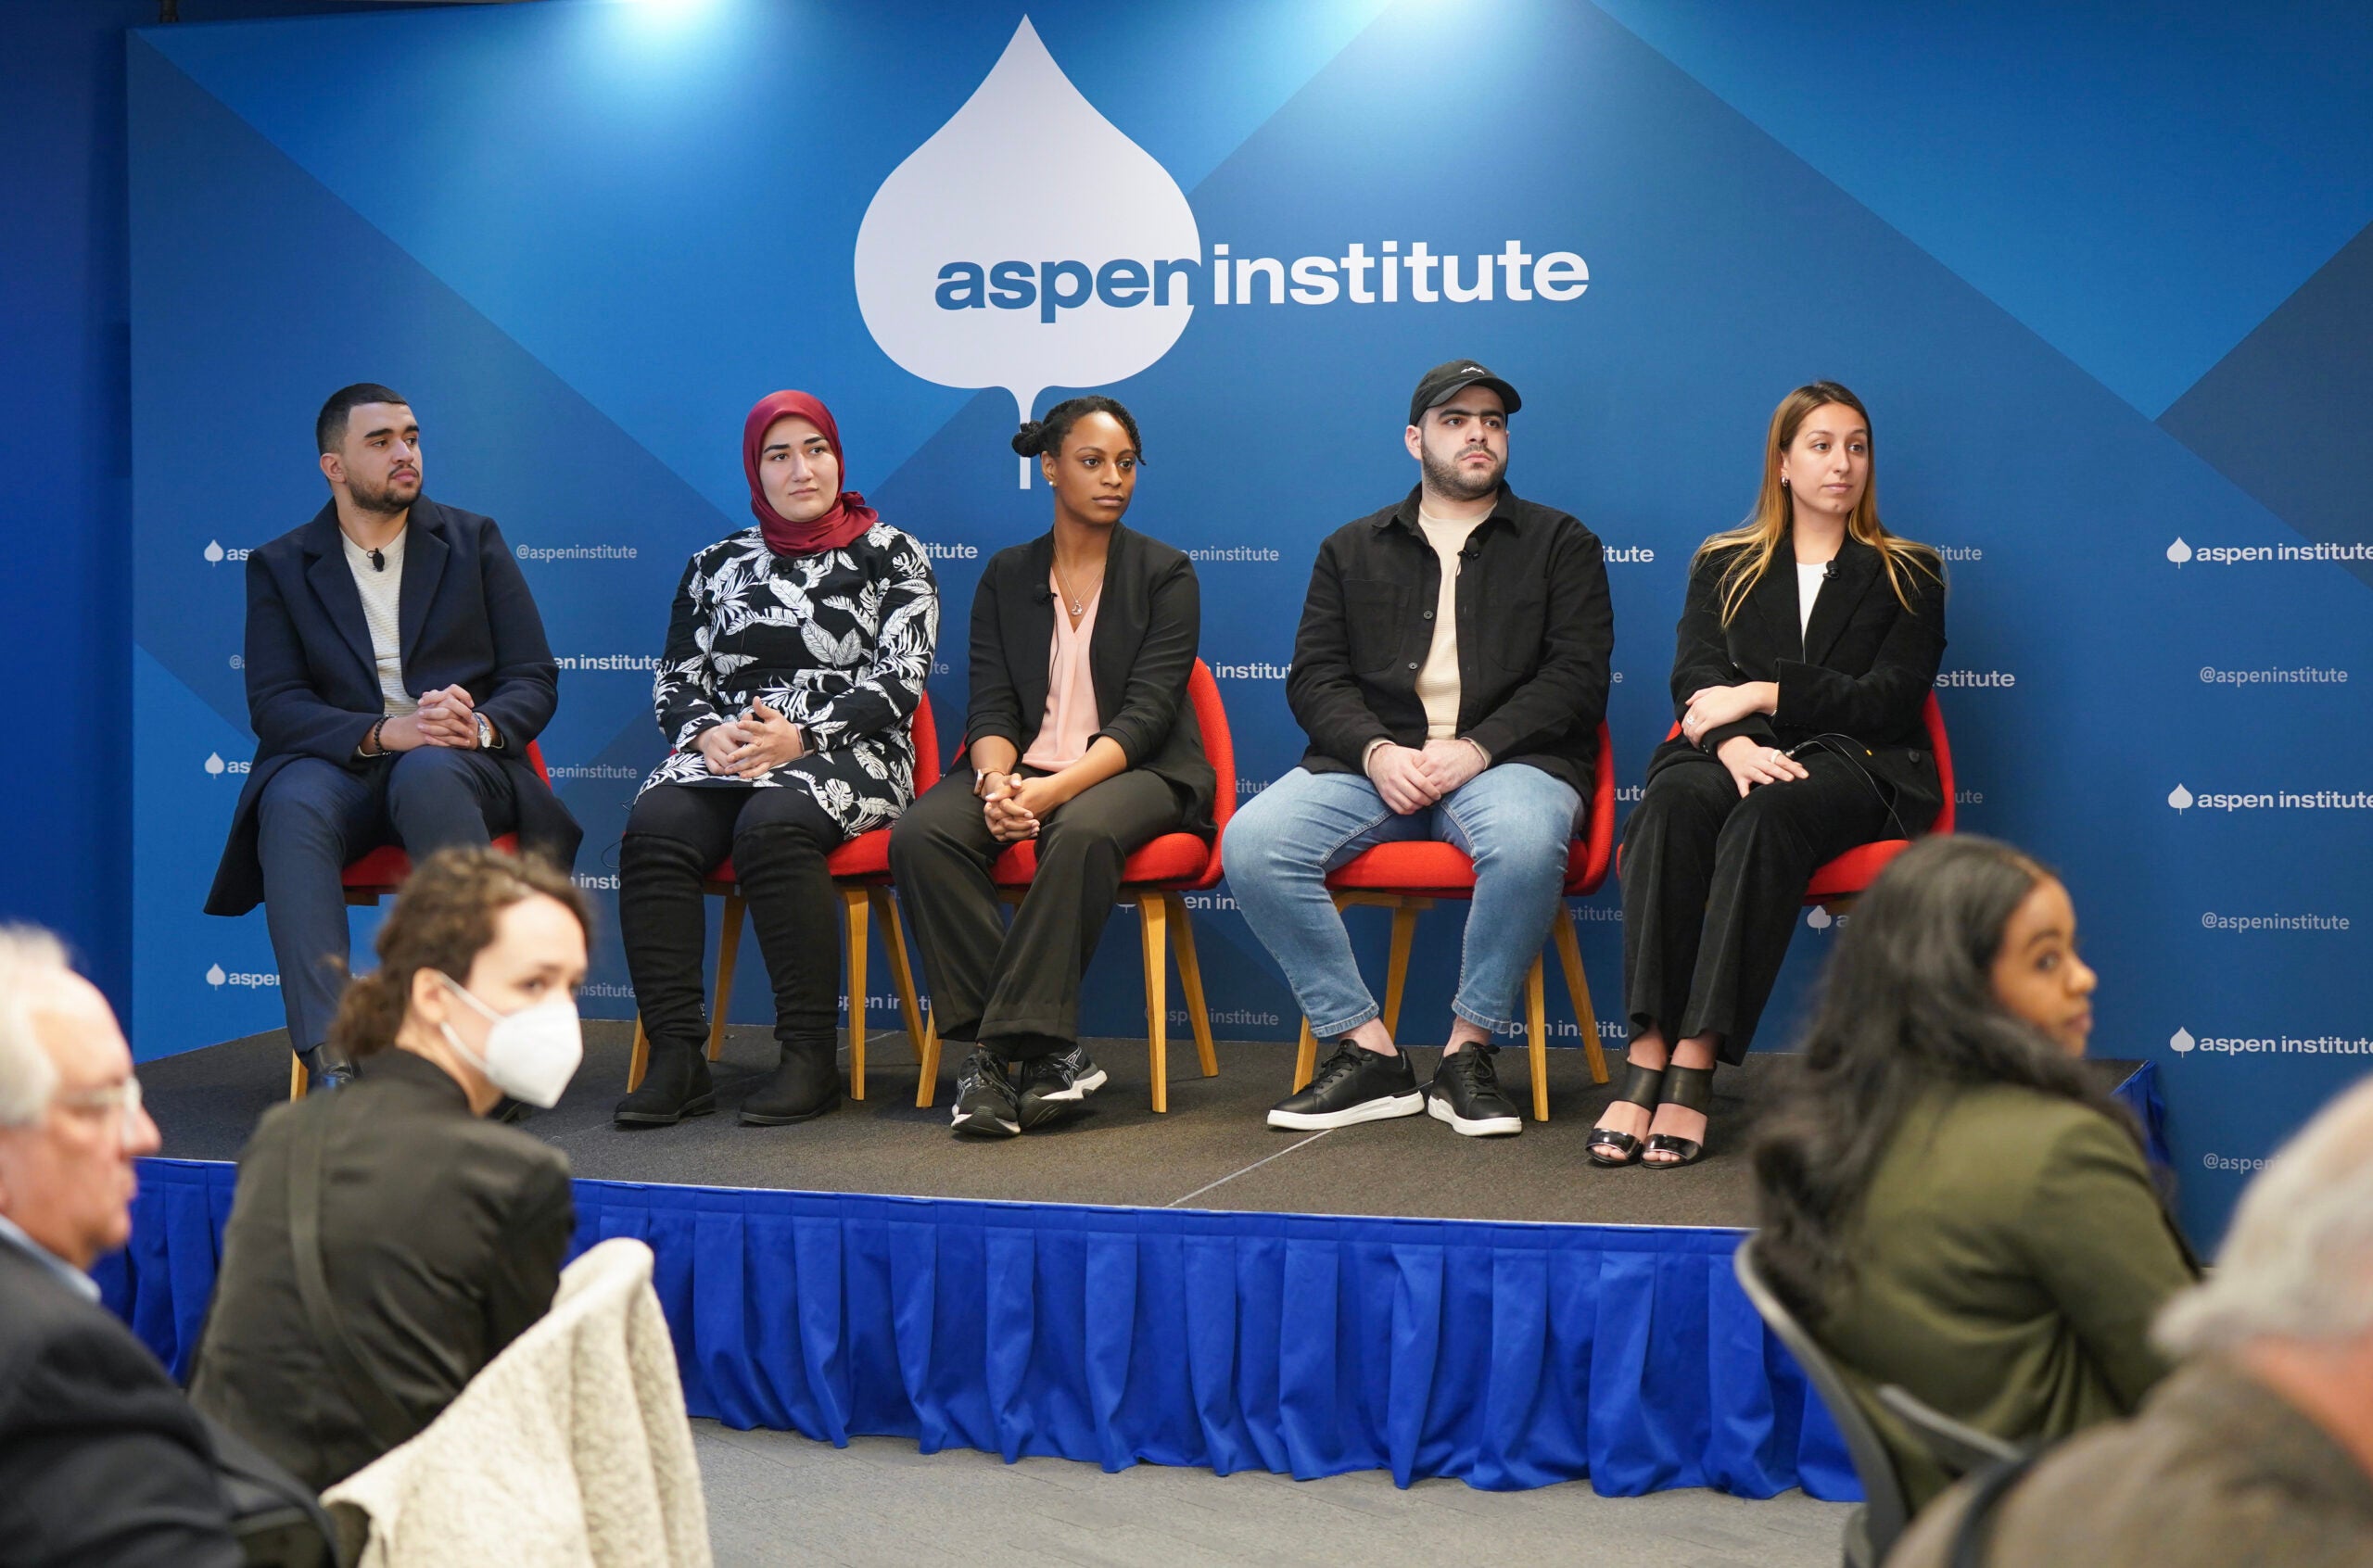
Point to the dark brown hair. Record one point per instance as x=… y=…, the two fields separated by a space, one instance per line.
x=443 y=919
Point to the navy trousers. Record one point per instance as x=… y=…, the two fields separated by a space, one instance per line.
x=316 y=816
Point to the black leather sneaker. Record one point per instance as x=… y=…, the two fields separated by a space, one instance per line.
x=1466 y=1093
x=1053 y=1086
x=986 y=1106
x=1354 y=1086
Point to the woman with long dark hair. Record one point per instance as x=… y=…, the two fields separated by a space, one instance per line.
x=1807 y=646
x=796 y=654
x=1080 y=737
x=1948 y=1200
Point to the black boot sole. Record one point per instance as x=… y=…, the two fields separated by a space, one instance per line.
x=759 y=1118
x=700 y=1105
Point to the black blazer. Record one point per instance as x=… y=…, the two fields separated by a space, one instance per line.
x=442 y=1237
x=101 y=1459
x=1148 y=622
x=1862 y=668
x=313 y=682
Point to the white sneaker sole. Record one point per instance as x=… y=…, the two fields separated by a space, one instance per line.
x=986 y=1126
x=1381 y=1109
x=1473 y=1127
x=1081 y=1088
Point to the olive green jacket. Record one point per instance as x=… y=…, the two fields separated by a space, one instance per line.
x=2007 y=1263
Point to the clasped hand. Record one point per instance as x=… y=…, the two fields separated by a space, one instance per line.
x=1012 y=805
x=1411 y=778
x=445 y=717
x=750 y=746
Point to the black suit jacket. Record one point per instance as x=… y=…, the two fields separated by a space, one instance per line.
x=102 y=1461
x=1863 y=668
x=442 y=1237
x=466 y=618
x=1148 y=619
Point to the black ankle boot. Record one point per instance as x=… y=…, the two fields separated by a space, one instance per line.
x=675 y=1085
x=807 y=1084
x=324 y=1072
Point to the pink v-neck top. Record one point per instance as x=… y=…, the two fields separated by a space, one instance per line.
x=1071 y=722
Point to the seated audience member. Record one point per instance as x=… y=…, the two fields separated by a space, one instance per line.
x=397 y=670
x=387 y=1242
x=1451 y=670
x=796 y=654
x=1949 y=1201
x=2259 y=1447
x=101 y=1459
x=1809 y=640
x=1081 y=737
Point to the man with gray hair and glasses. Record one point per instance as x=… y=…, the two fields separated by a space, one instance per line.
x=2259 y=1448
x=101 y=1459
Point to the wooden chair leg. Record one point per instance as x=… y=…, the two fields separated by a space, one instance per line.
x=1190 y=981
x=639 y=1062
x=1536 y=1023
x=927 y=1075
x=1151 y=927
x=1578 y=990
x=1306 y=1059
x=902 y=972
x=297 y=1084
x=729 y=948
x=1396 y=973
x=854 y=908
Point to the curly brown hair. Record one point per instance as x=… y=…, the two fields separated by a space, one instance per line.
x=443 y=919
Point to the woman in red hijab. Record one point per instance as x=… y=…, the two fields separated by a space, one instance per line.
x=796 y=654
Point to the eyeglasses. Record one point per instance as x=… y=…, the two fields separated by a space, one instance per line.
x=117 y=1100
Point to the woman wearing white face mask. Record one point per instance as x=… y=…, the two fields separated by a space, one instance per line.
x=387 y=1242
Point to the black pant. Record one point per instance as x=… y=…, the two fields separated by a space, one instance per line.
x=1016 y=991
x=1712 y=884
x=675 y=836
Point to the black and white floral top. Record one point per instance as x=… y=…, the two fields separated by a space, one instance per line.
x=838 y=642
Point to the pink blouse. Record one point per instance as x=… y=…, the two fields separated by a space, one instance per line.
x=1071 y=722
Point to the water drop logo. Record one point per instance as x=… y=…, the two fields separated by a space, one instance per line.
x=214 y=764
x=214 y=553
x=1820 y=918
x=214 y=975
x=2179 y=798
x=975 y=269
x=2179 y=551
x=2181 y=1042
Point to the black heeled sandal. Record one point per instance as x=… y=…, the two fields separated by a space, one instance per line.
x=1638 y=1081
x=1690 y=1089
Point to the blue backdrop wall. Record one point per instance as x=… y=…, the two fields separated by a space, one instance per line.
x=2106 y=283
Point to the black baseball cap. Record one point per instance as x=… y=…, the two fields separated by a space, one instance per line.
x=1451 y=377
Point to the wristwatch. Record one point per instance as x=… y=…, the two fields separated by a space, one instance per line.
x=485 y=733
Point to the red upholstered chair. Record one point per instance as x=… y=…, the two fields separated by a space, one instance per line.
x=382 y=874
x=860 y=871
x=1839 y=882
x=1155 y=879
x=1408 y=878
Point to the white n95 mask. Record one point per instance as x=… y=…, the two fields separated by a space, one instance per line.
x=529 y=1055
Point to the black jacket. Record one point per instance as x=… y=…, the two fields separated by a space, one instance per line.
x=1147 y=621
x=1863 y=668
x=466 y=618
x=1535 y=633
x=442 y=1237
x=102 y=1461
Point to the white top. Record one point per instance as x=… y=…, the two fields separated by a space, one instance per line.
x=1438 y=676
x=382 y=593
x=1808 y=581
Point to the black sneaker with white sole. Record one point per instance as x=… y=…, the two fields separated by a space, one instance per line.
x=1053 y=1086
x=1354 y=1086
x=986 y=1106
x=1466 y=1093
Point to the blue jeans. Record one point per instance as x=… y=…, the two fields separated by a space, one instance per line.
x=1515 y=822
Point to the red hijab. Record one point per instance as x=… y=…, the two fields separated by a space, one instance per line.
x=849 y=518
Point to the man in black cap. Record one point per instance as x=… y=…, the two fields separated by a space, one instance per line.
x=1450 y=671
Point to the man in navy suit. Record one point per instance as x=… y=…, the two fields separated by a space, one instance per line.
x=397 y=671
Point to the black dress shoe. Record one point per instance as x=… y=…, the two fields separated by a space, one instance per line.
x=1355 y=1085
x=806 y=1085
x=324 y=1072
x=675 y=1085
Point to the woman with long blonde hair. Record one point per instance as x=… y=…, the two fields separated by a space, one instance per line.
x=1807 y=644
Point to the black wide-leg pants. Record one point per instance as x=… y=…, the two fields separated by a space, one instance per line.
x=1015 y=990
x=1712 y=884
x=675 y=836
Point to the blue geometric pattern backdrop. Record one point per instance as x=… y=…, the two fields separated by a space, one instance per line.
x=2106 y=285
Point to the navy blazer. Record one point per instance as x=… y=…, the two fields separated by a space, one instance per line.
x=466 y=618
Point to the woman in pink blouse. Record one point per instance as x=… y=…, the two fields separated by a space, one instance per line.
x=1080 y=737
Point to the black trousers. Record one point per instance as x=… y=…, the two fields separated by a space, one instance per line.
x=1712 y=884
x=1016 y=990
x=675 y=835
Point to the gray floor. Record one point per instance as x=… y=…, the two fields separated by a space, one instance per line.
x=775 y=1498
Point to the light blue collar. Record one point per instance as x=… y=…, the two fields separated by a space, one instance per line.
x=73 y=1278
